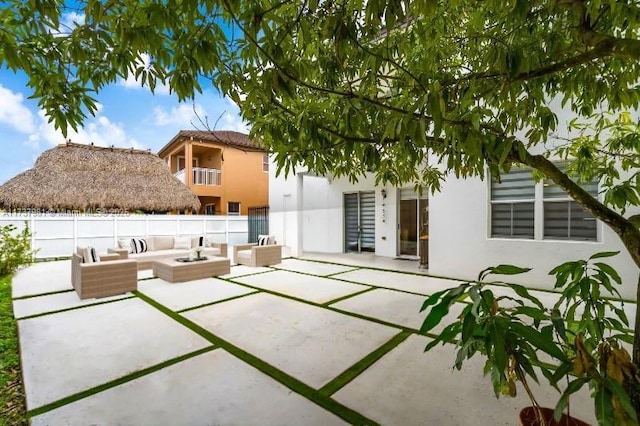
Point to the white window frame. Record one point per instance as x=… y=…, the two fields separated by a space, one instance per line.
x=265 y=162
x=539 y=222
x=511 y=202
x=566 y=200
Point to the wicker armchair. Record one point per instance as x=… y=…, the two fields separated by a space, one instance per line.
x=109 y=277
x=255 y=255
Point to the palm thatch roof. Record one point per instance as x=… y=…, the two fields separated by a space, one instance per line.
x=84 y=177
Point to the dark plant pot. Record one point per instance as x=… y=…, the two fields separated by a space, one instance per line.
x=529 y=417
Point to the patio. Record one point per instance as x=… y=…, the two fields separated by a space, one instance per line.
x=304 y=342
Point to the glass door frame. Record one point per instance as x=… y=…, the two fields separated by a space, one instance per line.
x=421 y=224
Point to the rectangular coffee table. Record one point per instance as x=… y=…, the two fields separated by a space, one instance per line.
x=173 y=271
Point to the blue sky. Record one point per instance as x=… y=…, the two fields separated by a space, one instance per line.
x=129 y=116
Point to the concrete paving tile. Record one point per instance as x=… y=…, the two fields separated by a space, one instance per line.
x=55 y=302
x=72 y=351
x=399 y=281
x=310 y=267
x=410 y=387
x=185 y=295
x=211 y=389
x=394 y=307
x=240 y=270
x=310 y=343
x=42 y=277
x=306 y=287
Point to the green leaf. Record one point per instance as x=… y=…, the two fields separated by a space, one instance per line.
x=538 y=340
x=432 y=300
x=573 y=387
x=623 y=399
x=603 y=406
x=609 y=271
x=435 y=316
x=604 y=254
x=524 y=293
x=508 y=270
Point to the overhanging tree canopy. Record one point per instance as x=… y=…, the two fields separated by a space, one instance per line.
x=351 y=86
x=348 y=86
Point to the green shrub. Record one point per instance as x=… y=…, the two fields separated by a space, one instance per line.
x=15 y=249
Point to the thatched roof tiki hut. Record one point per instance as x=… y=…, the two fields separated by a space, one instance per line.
x=89 y=178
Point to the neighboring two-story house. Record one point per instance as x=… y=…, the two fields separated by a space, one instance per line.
x=226 y=170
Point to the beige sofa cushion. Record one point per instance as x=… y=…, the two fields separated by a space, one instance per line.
x=243 y=254
x=210 y=251
x=182 y=243
x=162 y=243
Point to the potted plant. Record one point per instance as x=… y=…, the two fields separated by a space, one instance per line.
x=581 y=338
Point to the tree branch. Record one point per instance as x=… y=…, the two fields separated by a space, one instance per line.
x=628 y=233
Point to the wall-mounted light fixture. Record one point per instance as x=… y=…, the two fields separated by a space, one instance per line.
x=383 y=192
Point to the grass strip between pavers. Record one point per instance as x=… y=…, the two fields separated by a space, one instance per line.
x=348 y=296
x=116 y=382
x=280 y=376
x=330 y=308
x=75 y=308
x=356 y=369
x=204 y=305
x=353 y=269
x=375 y=268
x=419 y=274
x=49 y=293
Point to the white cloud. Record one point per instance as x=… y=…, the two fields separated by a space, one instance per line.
x=100 y=131
x=232 y=122
x=72 y=19
x=14 y=113
x=182 y=115
x=136 y=83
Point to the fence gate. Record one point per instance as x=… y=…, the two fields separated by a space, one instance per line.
x=258 y=222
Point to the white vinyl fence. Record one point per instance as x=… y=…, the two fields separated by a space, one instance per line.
x=59 y=235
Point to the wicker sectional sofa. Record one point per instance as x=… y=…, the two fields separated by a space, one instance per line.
x=161 y=247
x=109 y=277
x=255 y=255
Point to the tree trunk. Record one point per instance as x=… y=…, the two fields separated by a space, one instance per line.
x=628 y=232
x=633 y=391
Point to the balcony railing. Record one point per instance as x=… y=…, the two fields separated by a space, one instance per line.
x=202 y=176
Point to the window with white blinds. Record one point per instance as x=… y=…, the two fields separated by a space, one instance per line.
x=566 y=219
x=516 y=212
x=513 y=205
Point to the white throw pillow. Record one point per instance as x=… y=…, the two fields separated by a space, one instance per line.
x=124 y=243
x=182 y=243
x=271 y=241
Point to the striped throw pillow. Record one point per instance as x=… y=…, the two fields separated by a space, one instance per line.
x=89 y=255
x=263 y=240
x=138 y=245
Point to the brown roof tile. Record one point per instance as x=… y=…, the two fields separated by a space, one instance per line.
x=219 y=137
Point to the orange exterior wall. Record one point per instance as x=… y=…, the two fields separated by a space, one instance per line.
x=242 y=180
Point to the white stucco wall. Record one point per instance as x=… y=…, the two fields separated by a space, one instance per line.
x=460 y=245
x=323 y=215
x=314 y=217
